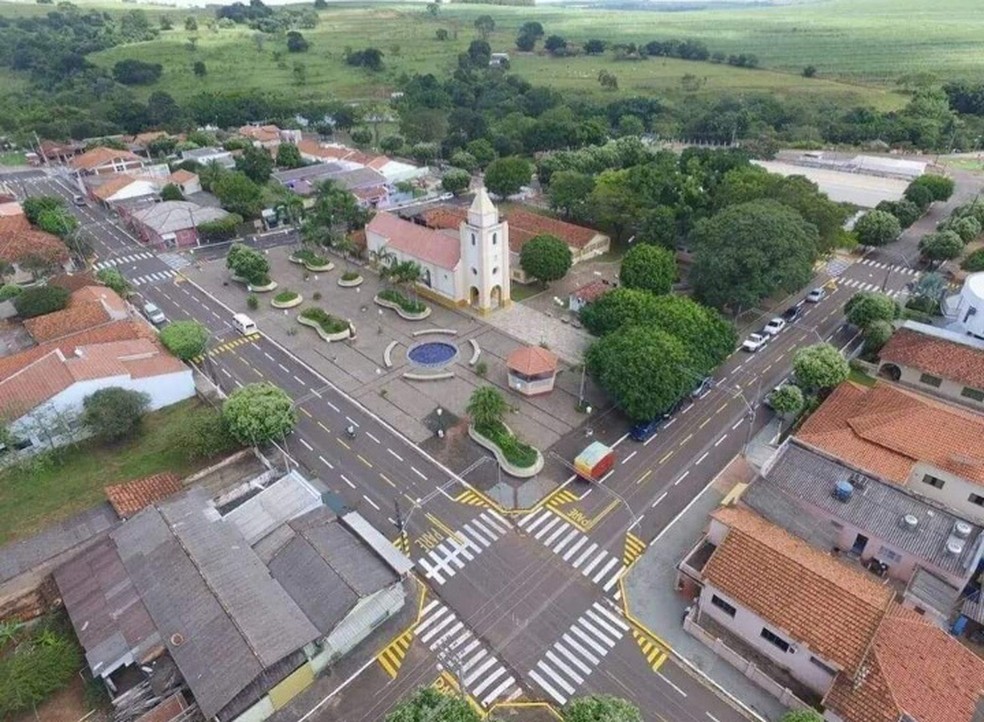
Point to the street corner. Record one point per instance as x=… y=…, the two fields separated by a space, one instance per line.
x=634 y=548
x=654 y=650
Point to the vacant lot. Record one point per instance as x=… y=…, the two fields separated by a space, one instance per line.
x=406 y=34
x=32 y=499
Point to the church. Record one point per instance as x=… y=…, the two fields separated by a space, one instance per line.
x=467 y=266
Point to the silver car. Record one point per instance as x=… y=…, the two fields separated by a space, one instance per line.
x=154 y=314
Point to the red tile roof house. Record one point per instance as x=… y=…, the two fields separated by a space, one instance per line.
x=172 y=224
x=589 y=292
x=20 y=243
x=935 y=361
x=43 y=399
x=103 y=161
x=585 y=243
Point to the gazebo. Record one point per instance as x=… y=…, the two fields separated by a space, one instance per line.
x=532 y=370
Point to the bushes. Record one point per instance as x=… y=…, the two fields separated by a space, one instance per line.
x=34 y=665
x=940 y=187
x=248 y=264
x=516 y=452
x=306 y=255
x=10 y=291
x=328 y=323
x=220 y=230
x=41 y=300
x=185 y=339
x=114 y=413
x=115 y=280
x=973 y=263
x=207 y=435
x=408 y=305
x=285 y=296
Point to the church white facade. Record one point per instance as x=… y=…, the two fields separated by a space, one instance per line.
x=467 y=267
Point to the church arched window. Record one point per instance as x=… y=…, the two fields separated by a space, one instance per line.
x=495 y=238
x=473 y=239
x=495 y=271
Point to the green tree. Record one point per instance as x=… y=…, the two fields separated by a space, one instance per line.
x=238 y=194
x=631 y=125
x=876 y=228
x=876 y=335
x=34 y=206
x=191 y=24
x=903 y=209
x=42 y=662
x=464 y=160
x=506 y=176
x=569 y=190
x=485 y=25
x=392 y=143
x=482 y=150
x=486 y=407
x=429 y=705
x=199 y=69
x=648 y=268
x=939 y=186
x=555 y=45
x=941 y=246
x=114 y=413
x=546 y=258
x=802 y=715
x=171 y=192
x=247 y=264
x=968 y=228
x=40 y=300
x=751 y=251
x=866 y=307
x=644 y=370
x=617 y=308
x=256 y=164
x=57 y=222
x=361 y=136
x=920 y=195
x=456 y=180
x=787 y=400
x=820 y=367
x=115 y=280
x=601 y=708
x=658 y=227
x=288 y=156
x=259 y=413
x=185 y=339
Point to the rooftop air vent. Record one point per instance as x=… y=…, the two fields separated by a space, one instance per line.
x=954 y=547
x=961 y=529
x=910 y=522
x=843 y=491
x=177 y=639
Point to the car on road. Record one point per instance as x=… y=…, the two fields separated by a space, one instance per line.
x=774 y=326
x=645 y=430
x=154 y=314
x=792 y=313
x=702 y=388
x=754 y=342
x=816 y=295
x=79 y=201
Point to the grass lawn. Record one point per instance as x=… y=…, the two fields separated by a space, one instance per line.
x=860 y=377
x=520 y=292
x=785 y=39
x=32 y=500
x=13 y=158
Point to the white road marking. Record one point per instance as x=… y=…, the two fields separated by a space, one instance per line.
x=349 y=419
x=718 y=442
x=737 y=423
x=306 y=444
x=702 y=458
x=284 y=368
x=681 y=478
x=629 y=456
x=298 y=380
x=660 y=498
x=326 y=462
x=669 y=423
x=658 y=674
x=414 y=470
x=687 y=409
x=712 y=717
x=226 y=373
x=374 y=506
x=333 y=407
x=345 y=479
x=375 y=439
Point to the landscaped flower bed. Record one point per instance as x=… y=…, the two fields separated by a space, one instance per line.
x=311 y=260
x=514 y=456
x=286 y=299
x=265 y=284
x=350 y=279
x=405 y=307
x=330 y=328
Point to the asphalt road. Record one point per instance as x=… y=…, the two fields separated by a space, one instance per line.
x=521 y=605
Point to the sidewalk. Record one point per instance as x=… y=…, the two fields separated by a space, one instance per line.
x=651 y=596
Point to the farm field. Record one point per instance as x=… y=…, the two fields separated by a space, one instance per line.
x=406 y=35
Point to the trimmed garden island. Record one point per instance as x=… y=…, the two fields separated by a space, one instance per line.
x=350 y=279
x=330 y=328
x=311 y=260
x=250 y=267
x=408 y=309
x=515 y=457
x=286 y=299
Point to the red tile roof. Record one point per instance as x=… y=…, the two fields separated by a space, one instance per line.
x=89 y=306
x=523 y=225
x=805 y=593
x=101 y=156
x=73 y=281
x=532 y=361
x=181 y=176
x=592 y=291
x=12 y=224
x=262 y=133
x=886 y=430
x=131 y=496
x=936 y=356
x=112 y=186
x=17 y=245
x=914 y=670
x=426 y=244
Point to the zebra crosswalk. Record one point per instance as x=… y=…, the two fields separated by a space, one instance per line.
x=122 y=260
x=391 y=658
x=484 y=676
x=174 y=260
x=573 y=657
x=894 y=268
x=862 y=286
x=574 y=547
x=153 y=277
x=444 y=561
x=471 y=498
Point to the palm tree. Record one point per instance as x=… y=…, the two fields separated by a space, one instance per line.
x=346 y=246
x=486 y=407
x=408 y=273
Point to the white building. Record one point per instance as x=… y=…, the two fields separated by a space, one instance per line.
x=43 y=400
x=469 y=266
x=967 y=307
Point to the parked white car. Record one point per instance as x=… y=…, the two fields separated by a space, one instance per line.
x=154 y=314
x=774 y=326
x=816 y=295
x=754 y=342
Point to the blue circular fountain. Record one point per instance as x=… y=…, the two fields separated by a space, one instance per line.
x=432 y=354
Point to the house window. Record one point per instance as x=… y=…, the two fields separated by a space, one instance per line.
x=975 y=394
x=930 y=380
x=473 y=239
x=773 y=638
x=723 y=605
x=495 y=238
x=817 y=663
x=886 y=554
x=933 y=481
x=474 y=271
x=976 y=499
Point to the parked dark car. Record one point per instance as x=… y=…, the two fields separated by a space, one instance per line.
x=702 y=388
x=645 y=430
x=792 y=313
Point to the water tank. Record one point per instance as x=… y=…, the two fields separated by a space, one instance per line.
x=961 y=530
x=909 y=522
x=954 y=547
x=843 y=491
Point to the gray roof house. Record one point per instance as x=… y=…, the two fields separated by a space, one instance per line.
x=248 y=596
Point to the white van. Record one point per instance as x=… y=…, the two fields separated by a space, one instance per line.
x=244 y=324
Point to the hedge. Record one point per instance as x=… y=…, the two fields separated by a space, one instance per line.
x=394 y=296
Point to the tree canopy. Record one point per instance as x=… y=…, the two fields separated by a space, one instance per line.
x=486 y=407
x=114 y=413
x=751 y=251
x=288 y=156
x=259 y=413
x=941 y=246
x=787 y=400
x=600 y=708
x=185 y=339
x=820 y=367
x=546 y=258
x=429 y=705
x=643 y=369
x=867 y=307
x=506 y=176
x=238 y=194
x=255 y=163
x=39 y=300
x=247 y=263
x=648 y=268
x=876 y=228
